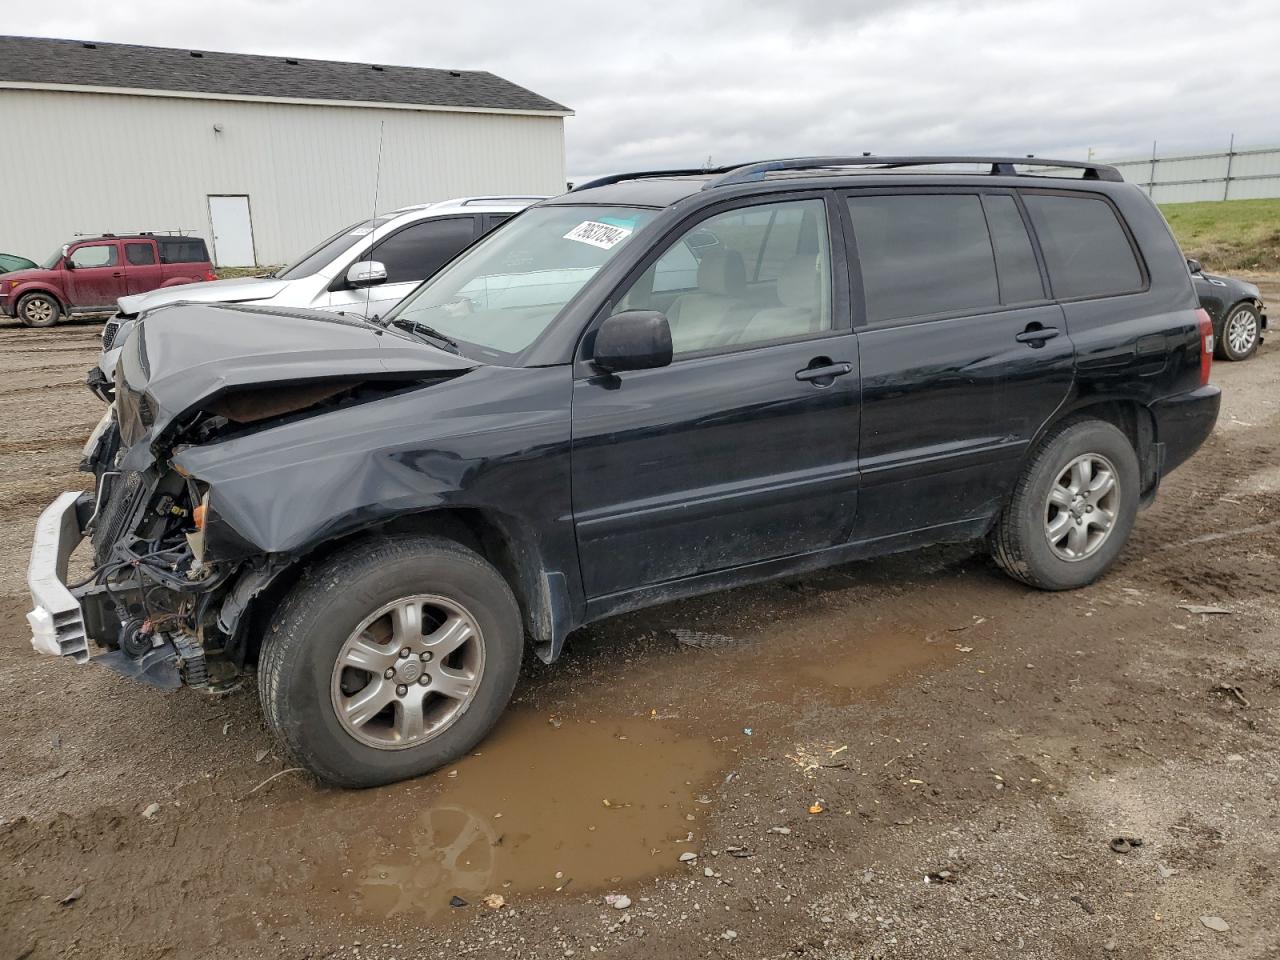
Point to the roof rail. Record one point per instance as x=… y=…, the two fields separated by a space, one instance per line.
x=480 y=201
x=640 y=175
x=1000 y=167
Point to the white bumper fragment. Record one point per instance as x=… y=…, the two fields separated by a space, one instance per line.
x=57 y=622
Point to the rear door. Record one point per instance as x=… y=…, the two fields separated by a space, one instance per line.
x=96 y=277
x=411 y=255
x=142 y=267
x=964 y=357
x=744 y=448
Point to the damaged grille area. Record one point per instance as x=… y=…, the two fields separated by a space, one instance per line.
x=109 y=334
x=120 y=514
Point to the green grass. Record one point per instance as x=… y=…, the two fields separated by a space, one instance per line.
x=227 y=273
x=1229 y=234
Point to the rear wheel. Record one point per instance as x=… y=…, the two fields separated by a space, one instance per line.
x=1241 y=333
x=389 y=660
x=1072 y=508
x=39 y=310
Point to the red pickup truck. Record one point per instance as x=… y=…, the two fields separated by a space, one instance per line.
x=87 y=276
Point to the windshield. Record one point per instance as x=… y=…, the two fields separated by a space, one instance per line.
x=503 y=292
x=53 y=259
x=326 y=252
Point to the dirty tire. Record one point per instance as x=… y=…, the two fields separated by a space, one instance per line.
x=39 y=310
x=329 y=602
x=1244 y=317
x=1019 y=543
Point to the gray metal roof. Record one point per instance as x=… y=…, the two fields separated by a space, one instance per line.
x=92 y=64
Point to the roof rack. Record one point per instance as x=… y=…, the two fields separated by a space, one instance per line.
x=642 y=174
x=481 y=201
x=1000 y=167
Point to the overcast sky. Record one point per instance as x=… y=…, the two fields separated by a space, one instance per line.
x=664 y=83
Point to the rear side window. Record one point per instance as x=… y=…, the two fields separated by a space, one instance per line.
x=418 y=251
x=139 y=254
x=1016 y=265
x=923 y=254
x=1085 y=248
x=182 y=250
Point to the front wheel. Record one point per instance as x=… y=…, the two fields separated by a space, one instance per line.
x=1072 y=508
x=389 y=660
x=39 y=310
x=1241 y=333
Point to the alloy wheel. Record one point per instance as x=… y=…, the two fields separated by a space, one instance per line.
x=1242 y=331
x=408 y=672
x=1081 y=508
x=37 y=311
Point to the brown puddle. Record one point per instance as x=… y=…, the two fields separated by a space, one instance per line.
x=551 y=806
x=599 y=804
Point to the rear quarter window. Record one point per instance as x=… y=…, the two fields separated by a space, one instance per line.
x=182 y=251
x=1086 y=250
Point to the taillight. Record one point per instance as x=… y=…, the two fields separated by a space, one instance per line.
x=210 y=275
x=1206 y=345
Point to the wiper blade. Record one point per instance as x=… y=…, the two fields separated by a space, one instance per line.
x=429 y=333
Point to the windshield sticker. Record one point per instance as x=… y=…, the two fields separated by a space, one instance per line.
x=602 y=235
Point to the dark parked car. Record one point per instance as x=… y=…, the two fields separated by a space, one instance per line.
x=89 y=275
x=1236 y=309
x=567 y=422
x=10 y=262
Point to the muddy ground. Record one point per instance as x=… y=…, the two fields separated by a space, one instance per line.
x=911 y=757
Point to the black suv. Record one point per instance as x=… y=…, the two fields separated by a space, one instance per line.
x=653 y=386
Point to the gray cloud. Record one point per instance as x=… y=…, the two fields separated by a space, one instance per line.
x=671 y=83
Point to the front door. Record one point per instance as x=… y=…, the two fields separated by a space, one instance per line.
x=95 y=277
x=745 y=447
x=964 y=357
x=232 y=231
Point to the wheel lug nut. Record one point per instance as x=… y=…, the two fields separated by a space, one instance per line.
x=404 y=654
x=401 y=690
x=389 y=673
x=425 y=680
x=426 y=656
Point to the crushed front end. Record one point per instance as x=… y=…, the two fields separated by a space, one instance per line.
x=143 y=610
x=162 y=590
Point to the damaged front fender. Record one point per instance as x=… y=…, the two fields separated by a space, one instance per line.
x=484 y=442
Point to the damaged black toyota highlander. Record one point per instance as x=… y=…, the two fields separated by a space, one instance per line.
x=654 y=386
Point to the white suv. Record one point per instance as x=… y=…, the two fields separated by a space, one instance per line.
x=365 y=268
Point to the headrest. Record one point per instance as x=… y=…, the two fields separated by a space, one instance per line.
x=722 y=272
x=797 y=284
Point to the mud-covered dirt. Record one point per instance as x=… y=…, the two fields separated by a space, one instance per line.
x=912 y=757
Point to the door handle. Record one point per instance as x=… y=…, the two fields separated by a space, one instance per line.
x=828 y=372
x=1036 y=335
x=117 y=274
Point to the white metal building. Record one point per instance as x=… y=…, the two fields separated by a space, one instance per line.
x=262 y=156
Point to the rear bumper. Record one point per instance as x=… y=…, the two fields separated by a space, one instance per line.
x=1184 y=422
x=57 y=620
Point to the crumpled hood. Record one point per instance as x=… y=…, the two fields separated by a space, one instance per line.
x=237 y=290
x=186 y=355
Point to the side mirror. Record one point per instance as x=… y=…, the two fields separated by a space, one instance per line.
x=66 y=259
x=633 y=340
x=366 y=273
x=1194 y=265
